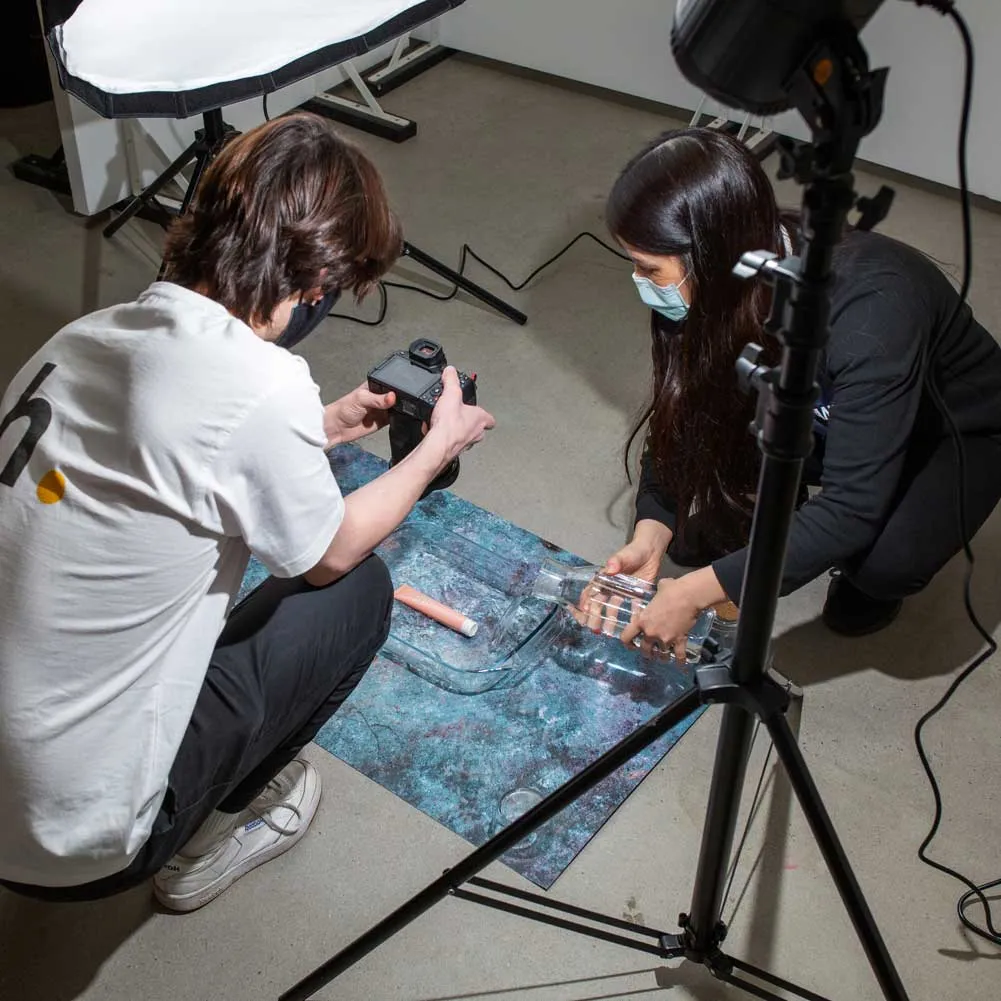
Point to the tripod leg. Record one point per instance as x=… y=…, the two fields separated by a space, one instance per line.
x=834 y=855
x=732 y=751
x=727 y=975
x=208 y=141
x=203 y=157
x=598 y=770
x=151 y=190
x=443 y=271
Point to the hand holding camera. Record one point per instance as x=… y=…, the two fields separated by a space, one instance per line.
x=433 y=402
x=456 y=424
x=356 y=415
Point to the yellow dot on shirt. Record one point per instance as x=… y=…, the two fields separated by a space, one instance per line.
x=51 y=487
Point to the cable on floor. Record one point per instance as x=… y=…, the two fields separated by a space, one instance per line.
x=468 y=252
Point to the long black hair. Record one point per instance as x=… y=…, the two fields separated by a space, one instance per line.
x=701 y=196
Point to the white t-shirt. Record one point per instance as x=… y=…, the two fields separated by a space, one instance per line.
x=145 y=451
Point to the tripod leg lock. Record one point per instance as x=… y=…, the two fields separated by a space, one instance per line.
x=683 y=946
x=764 y=697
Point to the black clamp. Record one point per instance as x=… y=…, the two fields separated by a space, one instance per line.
x=763 y=697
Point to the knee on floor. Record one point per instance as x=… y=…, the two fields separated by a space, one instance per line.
x=888 y=584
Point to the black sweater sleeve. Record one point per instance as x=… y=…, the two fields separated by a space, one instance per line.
x=652 y=501
x=881 y=322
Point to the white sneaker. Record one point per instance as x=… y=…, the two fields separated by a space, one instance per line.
x=272 y=824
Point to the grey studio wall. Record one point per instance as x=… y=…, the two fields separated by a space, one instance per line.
x=626 y=46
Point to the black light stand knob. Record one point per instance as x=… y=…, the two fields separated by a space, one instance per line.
x=750 y=371
x=755 y=263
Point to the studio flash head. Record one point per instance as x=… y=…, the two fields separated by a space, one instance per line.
x=747 y=53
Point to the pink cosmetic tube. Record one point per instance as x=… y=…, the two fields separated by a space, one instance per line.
x=414 y=599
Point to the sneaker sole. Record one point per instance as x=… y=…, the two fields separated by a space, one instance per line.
x=183 y=904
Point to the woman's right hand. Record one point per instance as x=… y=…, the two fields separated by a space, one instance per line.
x=456 y=425
x=641 y=557
x=636 y=560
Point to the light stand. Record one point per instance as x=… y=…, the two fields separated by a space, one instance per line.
x=208 y=140
x=842 y=102
x=207 y=143
x=84 y=72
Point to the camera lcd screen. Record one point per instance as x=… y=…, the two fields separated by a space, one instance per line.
x=400 y=374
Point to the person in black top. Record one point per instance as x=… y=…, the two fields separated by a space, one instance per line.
x=885 y=515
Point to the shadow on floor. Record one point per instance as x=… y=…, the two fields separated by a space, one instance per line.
x=53 y=952
x=977 y=950
x=602 y=987
x=931 y=638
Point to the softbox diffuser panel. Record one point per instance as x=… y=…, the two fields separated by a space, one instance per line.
x=177 y=58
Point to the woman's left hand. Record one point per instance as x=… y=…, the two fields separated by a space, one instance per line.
x=666 y=621
x=669 y=617
x=356 y=415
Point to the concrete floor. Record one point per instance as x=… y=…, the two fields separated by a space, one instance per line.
x=516 y=167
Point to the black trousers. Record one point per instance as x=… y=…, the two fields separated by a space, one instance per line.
x=921 y=533
x=287 y=659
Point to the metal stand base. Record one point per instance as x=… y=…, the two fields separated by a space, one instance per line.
x=374 y=121
x=755 y=134
x=45 y=171
x=766 y=699
x=444 y=271
x=367 y=114
x=636 y=937
x=403 y=67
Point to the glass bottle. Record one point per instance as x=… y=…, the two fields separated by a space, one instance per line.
x=607 y=603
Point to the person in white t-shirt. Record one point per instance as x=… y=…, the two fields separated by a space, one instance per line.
x=145 y=451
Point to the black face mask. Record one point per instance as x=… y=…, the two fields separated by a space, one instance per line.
x=305 y=319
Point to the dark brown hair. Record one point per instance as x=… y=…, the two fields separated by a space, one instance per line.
x=285 y=208
x=700 y=195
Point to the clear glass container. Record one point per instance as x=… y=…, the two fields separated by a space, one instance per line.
x=519 y=629
x=563 y=584
x=609 y=602
x=606 y=603
x=477 y=582
x=564 y=644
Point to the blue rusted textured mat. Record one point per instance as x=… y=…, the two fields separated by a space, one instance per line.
x=455 y=756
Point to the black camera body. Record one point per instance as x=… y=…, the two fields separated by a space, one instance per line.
x=414 y=376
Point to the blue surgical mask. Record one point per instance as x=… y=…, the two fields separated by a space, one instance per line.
x=665 y=299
